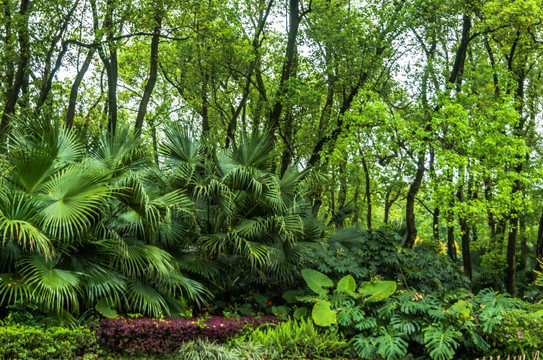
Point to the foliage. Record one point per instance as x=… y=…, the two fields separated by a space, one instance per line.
x=81 y=230
x=519 y=332
x=378 y=254
x=300 y=339
x=249 y=224
x=28 y=342
x=204 y=350
x=27 y=314
x=387 y=322
x=166 y=336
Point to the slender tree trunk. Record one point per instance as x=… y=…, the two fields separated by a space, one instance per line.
x=288 y=65
x=451 y=246
x=151 y=81
x=410 y=204
x=48 y=73
x=112 y=75
x=22 y=60
x=356 y=210
x=466 y=253
x=523 y=244
x=388 y=205
x=368 y=192
x=435 y=223
x=75 y=89
x=511 y=273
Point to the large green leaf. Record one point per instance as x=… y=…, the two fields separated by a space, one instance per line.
x=104 y=307
x=322 y=314
x=316 y=281
x=346 y=284
x=377 y=290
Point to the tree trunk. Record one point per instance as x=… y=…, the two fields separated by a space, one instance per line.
x=151 y=81
x=288 y=65
x=410 y=205
x=466 y=253
x=511 y=273
x=12 y=92
x=368 y=192
x=451 y=246
x=75 y=89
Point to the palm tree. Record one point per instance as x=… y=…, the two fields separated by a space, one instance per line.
x=82 y=228
x=251 y=223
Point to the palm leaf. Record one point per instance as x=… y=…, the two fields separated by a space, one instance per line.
x=19 y=224
x=253 y=151
x=72 y=200
x=54 y=288
x=13 y=288
x=145 y=299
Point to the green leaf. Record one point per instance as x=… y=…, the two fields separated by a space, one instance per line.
x=346 y=284
x=316 y=280
x=441 y=344
x=390 y=345
x=322 y=314
x=378 y=290
x=103 y=307
x=290 y=296
x=300 y=312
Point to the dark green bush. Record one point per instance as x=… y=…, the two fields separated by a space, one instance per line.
x=28 y=342
x=378 y=254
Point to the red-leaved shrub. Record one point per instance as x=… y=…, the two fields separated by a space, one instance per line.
x=164 y=336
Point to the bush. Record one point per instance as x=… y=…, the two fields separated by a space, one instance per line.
x=166 y=336
x=378 y=254
x=520 y=332
x=28 y=342
x=301 y=340
x=203 y=350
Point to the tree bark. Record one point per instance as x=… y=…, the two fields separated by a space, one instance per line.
x=410 y=205
x=511 y=274
x=75 y=89
x=368 y=192
x=22 y=60
x=539 y=246
x=151 y=81
x=288 y=65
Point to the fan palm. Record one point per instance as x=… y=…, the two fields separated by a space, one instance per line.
x=244 y=212
x=84 y=230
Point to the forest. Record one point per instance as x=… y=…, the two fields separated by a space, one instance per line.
x=262 y=179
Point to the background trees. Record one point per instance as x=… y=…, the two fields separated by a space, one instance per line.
x=419 y=115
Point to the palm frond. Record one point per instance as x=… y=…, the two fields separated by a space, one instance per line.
x=253 y=151
x=119 y=152
x=145 y=299
x=179 y=147
x=19 y=223
x=56 y=289
x=13 y=288
x=72 y=199
x=136 y=259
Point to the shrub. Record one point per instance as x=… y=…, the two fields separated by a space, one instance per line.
x=378 y=254
x=166 y=336
x=28 y=342
x=203 y=350
x=301 y=340
x=520 y=332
